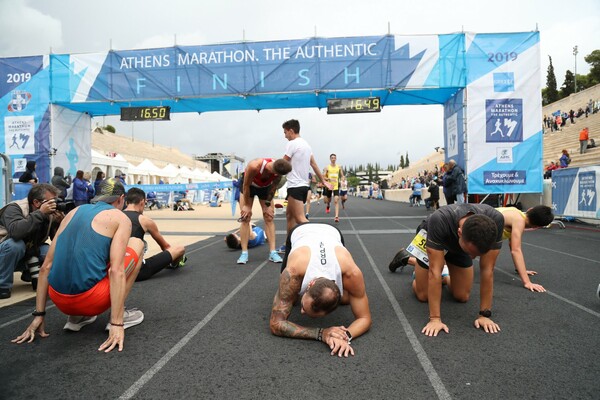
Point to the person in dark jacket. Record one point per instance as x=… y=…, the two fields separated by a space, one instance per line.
x=28 y=222
x=455 y=182
x=434 y=195
x=99 y=178
x=29 y=176
x=59 y=182
x=81 y=189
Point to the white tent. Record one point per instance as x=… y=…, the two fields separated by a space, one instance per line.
x=149 y=167
x=215 y=176
x=169 y=171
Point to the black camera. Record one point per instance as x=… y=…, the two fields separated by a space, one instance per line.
x=64 y=205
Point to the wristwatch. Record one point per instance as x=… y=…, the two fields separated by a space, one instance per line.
x=37 y=313
x=268 y=203
x=349 y=336
x=486 y=313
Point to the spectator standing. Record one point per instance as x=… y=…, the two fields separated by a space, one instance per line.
x=59 y=182
x=81 y=189
x=584 y=135
x=99 y=178
x=434 y=195
x=455 y=181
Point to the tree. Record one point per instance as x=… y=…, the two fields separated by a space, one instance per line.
x=594 y=60
x=568 y=86
x=110 y=128
x=402 y=162
x=353 y=181
x=407 y=163
x=551 y=93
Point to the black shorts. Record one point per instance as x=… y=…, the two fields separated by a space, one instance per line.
x=261 y=192
x=327 y=192
x=461 y=260
x=298 y=193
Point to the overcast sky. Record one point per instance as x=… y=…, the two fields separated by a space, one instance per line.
x=76 y=26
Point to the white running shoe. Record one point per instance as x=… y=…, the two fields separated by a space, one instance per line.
x=76 y=322
x=131 y=317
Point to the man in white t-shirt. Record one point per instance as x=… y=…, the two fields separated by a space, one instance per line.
x=299 y=153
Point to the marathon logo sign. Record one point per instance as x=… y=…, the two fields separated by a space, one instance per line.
x=504 y=155
x=587 y=191
x=504 y=120
x=504 y=82
x=505 y=177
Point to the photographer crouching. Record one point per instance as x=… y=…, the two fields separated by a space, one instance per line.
x=25 y=225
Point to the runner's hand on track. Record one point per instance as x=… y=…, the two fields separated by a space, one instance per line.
x=341 y=347
x=534 y=287
x=487 y=325
x=37 y=325
x=434 y=327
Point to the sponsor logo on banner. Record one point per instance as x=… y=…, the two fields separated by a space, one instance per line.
x=452 y=132
x=517 y=177
x=504 y=82
x=19 y=100
x=19 y=164
x=504 y=155
x=587 y=191
x=19 y=135
x=504 y=120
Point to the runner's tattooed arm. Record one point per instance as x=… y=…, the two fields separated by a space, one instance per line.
x=289 y=286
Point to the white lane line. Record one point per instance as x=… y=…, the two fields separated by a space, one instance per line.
x=48 y=307
x=562 y=252
x=139 y=384
x=52 y=305
x=428 y=367
x=587 y=310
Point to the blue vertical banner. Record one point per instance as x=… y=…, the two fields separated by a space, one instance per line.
x=504 y=108
x=454 y=132
x=24 y=111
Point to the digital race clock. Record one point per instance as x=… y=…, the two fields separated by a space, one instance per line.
x=157 y=113
x=354 y=105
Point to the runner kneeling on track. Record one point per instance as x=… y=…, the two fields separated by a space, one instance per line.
x=455 y=234
x=319 y=271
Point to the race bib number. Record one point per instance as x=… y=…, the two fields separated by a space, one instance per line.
x=417 y=247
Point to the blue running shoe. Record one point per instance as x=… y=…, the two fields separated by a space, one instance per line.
x=243 y=258
x=274 y=257
x=281 y=250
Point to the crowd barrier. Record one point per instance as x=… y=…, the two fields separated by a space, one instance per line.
x=575 y=192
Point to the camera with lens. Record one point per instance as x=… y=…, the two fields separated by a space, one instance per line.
x=33 y=265
x=64 y=206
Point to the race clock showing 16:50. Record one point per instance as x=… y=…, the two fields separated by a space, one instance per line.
x=153 y=113
x=353 y=105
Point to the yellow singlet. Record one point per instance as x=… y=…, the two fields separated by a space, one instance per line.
x=507 y=231
x=333 y=174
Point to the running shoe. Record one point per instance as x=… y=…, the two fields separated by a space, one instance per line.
x=400 y=260
x=336 y=219
x=131 y=317
x=75 y=322
x=180 y=264
x=306 y=215
x=243 y=258
x=274 y=257
x=281 y=250
x=445 y=271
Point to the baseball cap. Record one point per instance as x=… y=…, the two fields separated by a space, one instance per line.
x=109 y=191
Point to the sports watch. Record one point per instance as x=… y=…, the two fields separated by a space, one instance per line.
x=486 y=313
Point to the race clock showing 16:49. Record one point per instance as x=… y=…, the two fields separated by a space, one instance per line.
x=353 y=105
x=152 y=113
